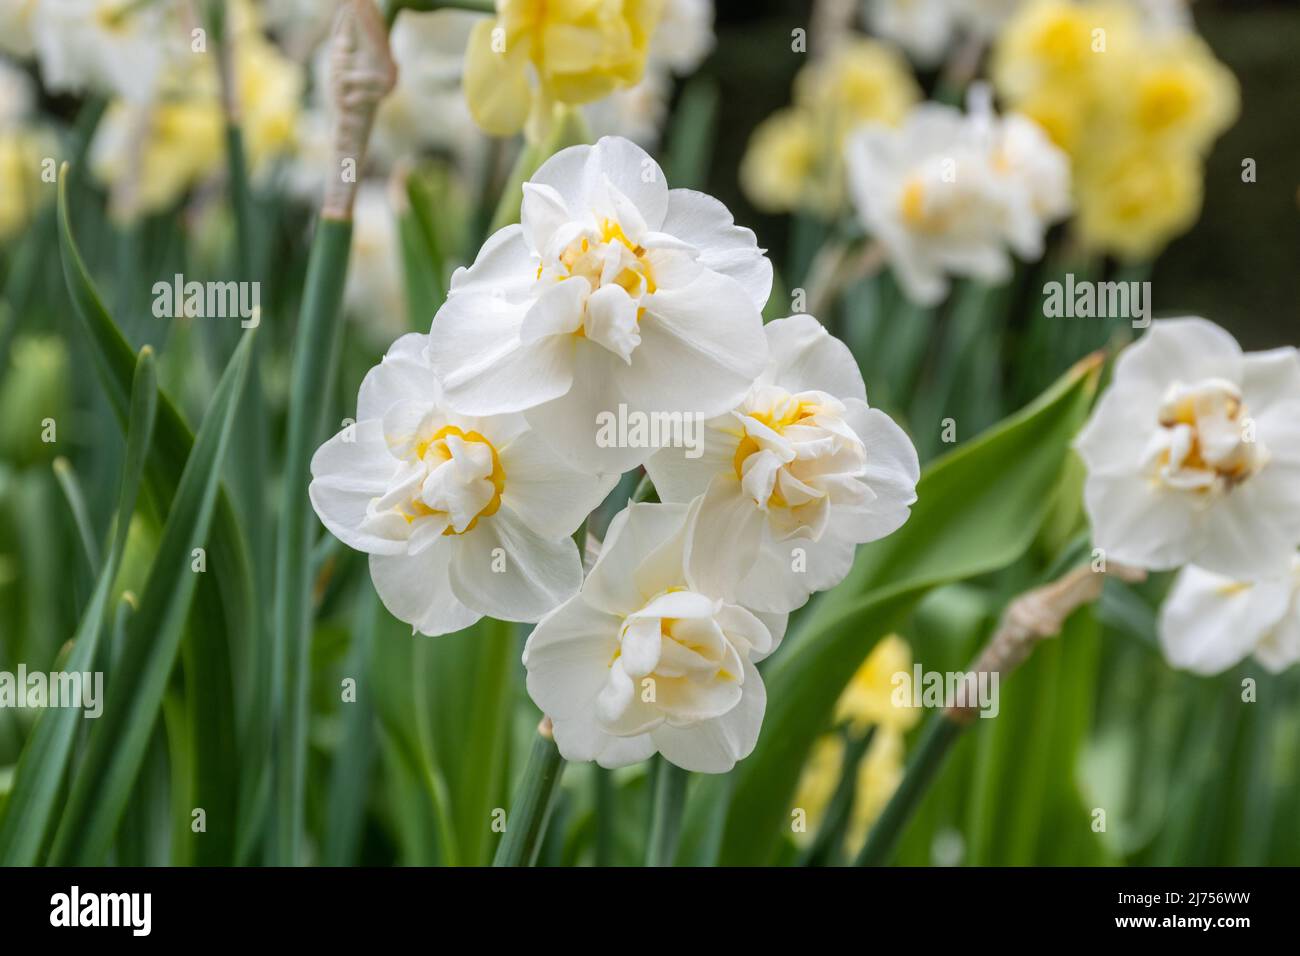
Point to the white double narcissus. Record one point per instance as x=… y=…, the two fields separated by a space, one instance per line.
x=1210 y=623
x=614 y=293
x=646 y=658
x=461 y=516
x=949 y=192
x=1193 y=454
x=794 y=477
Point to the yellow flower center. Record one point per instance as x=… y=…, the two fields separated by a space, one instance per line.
x=1208 y=443
x=778 y=418
x=434 y=451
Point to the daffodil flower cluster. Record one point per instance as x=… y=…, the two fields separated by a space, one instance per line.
x=162 y=132
x=953 y=193
x=1193 y=457
x=1135 y=101
x=478 y=451
x=794 y=160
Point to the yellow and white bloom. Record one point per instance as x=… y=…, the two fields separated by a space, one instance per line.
x=461 y=516
x=578 y=50
x=947 y=193
x=680 y=43
x=614 y=293
x=16 y=27
x=1210 y=623
x=792 y=479
x=795 y=158
x=116 y=47
x=646 y=659
x=1193 y=454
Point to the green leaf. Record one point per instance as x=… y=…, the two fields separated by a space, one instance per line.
x=315 y=357
x=117 y=745
x=224 y=604
x=978 y=509
x=39 y=777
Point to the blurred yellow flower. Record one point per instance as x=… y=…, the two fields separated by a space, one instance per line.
x=1177 y=94
x=778 y=168
x=795 y=157
x=580 y=50
x=270 y=98
x=878 y=775
x=1135 y=107
x=867 y=700
x=1133 y=201
x=22 y=150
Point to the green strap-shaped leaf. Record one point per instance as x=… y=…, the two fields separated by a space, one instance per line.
x=978 y=510
x=117 y=744
x=44 y=760
x=224 y=603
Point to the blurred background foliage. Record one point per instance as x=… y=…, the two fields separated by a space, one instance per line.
x=412 y=772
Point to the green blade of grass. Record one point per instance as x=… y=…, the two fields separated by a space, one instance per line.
x=117 y=744
x=40 y=772
x=316 y=348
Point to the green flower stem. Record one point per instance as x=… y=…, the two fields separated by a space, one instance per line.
x=603 y=781
x=940 y=734
x=828 y=844
x=568 y=128
x=666 y=822
x=526 y=824
x=315 y=351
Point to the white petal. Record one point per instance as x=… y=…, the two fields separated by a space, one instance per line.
x=714 y=746
x=1138 y=524
x=1209 y=622
x=723 y=246
x=536 y=574
x=348 y=472
x=416 y=589
x=1181 y=350
x=701 y=348
x=722 y=541
x=571 y=423
x=568 y=656
x=542 y=213
x=806 y=357
x=504 y=268
x=636 y=532
x=776 y=585
x=679 y=477
x=545 y=491
x=404 y=374
x=484 y=367
x=1270 y=378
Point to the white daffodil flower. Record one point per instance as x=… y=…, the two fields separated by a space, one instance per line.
x=1210 y=623
x=461 y=516
x=794 y=478
x=614 y=294
x=646 y=659
x=107 y=46
x=1193 y=454
x=948 y=192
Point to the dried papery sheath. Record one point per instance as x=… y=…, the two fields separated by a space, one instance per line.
x=362 y=73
